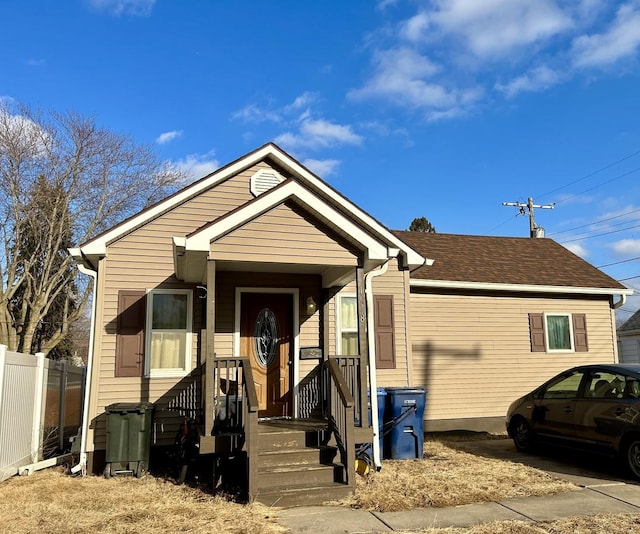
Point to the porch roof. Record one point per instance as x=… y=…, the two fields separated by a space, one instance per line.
x=89 y=252
x=192 y=251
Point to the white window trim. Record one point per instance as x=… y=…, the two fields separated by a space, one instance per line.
x=546 y=332
x=188 y=360
x=339 y=329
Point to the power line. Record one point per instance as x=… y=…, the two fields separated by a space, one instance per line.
x=592 y=173
x=618 y=262
x=596 y=222
x=600 y=235
x=629 y=278
x=585 y=235
x=600 y=185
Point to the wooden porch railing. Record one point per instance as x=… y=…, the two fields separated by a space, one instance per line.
x=341 y=417
x=231 y=409
x=355 y=376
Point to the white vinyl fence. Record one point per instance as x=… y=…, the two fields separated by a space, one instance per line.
x=40 y=408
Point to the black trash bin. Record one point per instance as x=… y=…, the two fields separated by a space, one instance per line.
x=405 y=411
x=128 y=438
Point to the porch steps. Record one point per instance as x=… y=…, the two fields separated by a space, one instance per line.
x=295 y=468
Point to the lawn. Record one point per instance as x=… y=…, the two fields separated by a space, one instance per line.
x=51 y=501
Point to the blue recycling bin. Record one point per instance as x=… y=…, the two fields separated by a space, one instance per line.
x=381 y=394
x=405 y=414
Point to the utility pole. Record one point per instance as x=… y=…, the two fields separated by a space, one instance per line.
x=529 y=208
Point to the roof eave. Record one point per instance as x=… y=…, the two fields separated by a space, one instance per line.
x=519 y=288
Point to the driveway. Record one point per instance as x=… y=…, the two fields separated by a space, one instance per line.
x=582 y=469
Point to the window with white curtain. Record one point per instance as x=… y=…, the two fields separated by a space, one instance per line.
x=169 y=320
x=348 y=325
x=559 y=332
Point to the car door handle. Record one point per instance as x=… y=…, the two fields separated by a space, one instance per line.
x=568 y=409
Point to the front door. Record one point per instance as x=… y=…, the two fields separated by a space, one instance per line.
x=266 y=338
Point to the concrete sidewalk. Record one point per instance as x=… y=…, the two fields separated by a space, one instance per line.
x=602 y=491
x=613 y=499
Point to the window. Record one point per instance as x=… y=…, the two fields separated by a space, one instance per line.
x=558 y=332
x=348 y=326
x=168 y=332
x=564 y=387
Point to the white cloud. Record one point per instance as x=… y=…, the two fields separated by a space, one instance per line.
x=621 y=40
x=322 y=168
x=626 y=247
x=35 y=62
x=403 y=76
x=537 y=79
x=168 y=136
x=137 y=8
x=578 y=249
x=253 y=113
x=317 y=134
x=197 y=165
x=32 y=138
x=490 y=27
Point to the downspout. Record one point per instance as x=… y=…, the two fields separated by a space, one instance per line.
x=623 y=299
x=371 y=341
x=82 y=463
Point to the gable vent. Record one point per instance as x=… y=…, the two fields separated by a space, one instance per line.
x=263 y=180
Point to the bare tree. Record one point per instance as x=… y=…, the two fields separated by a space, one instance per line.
x=63 y=179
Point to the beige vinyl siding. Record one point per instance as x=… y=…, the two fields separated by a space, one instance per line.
x=393 y=282
x=282 y=236
x=473 y=353
x=143 y=260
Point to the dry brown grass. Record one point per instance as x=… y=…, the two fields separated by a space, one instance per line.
x=609 y=523
x=448 y=476
x=50 y=501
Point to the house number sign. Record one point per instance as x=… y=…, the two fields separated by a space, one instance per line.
x=266 y=337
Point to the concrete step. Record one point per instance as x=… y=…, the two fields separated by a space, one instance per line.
x=286 y=497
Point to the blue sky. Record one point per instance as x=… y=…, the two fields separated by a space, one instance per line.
x=443 y=108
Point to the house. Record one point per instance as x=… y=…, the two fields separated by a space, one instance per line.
x=629 y=339
x=258 y=298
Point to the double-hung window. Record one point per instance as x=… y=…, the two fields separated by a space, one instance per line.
x=347 y=325
x=558 y=332
x=169 y=320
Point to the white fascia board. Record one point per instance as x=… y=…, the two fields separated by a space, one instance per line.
x=413 y=258
x=98 y=246
x=201 y=241
x=521 y=288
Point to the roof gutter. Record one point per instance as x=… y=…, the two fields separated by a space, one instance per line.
x=81 y=466
x=520 y=288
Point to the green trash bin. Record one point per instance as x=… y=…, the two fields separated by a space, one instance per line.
x=128 y=438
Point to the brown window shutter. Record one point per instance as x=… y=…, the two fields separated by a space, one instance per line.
x=536 y=330
x=130 y=333
x=384 y=332
x=580 y=342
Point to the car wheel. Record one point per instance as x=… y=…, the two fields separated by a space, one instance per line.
x=522 y=435
x=632 y=456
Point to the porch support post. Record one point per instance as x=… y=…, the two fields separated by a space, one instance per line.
x=208 y=389
x=363 y=344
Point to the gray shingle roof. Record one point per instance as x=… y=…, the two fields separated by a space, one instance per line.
x=631 y=324
x=503 y=260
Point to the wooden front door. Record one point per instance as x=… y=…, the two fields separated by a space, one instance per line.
x=266 y=338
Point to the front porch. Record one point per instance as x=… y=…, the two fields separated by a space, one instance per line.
x=285 y=461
